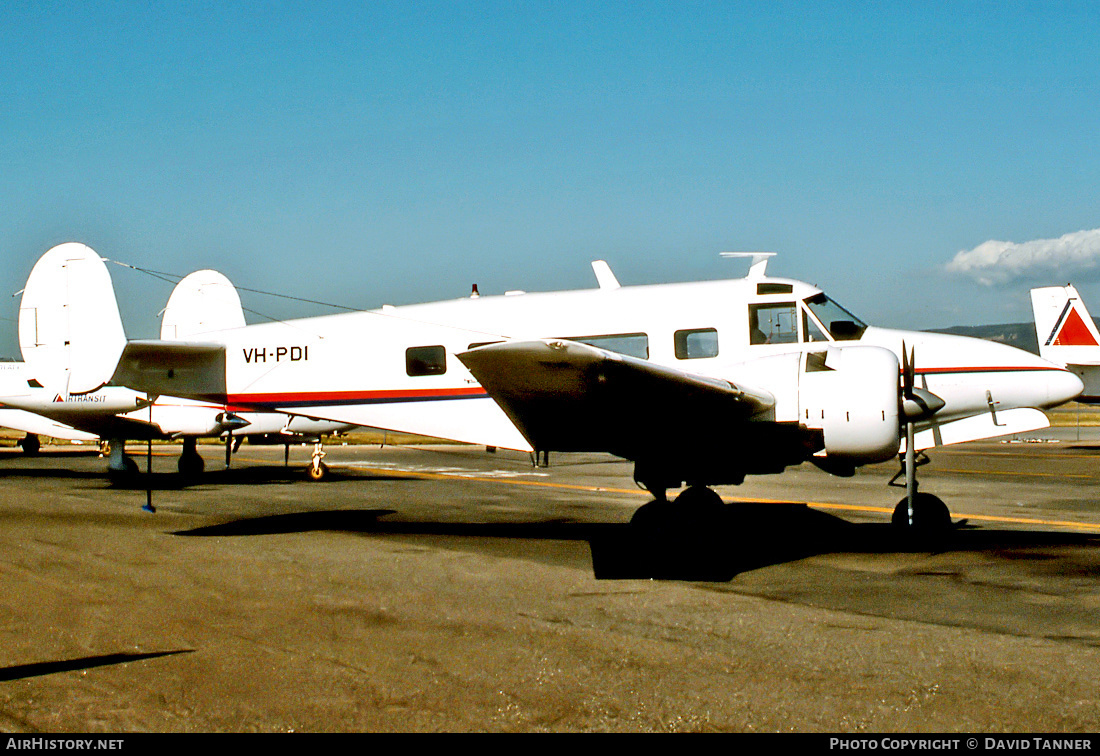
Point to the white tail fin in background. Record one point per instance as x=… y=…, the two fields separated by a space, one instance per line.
x=203 y=302
x=1068 y=335
x=1066 y=332
x=70 y=330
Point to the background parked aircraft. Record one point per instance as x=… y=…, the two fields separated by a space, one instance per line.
x=13 y=380
x=1068 y=336
x=71 y=337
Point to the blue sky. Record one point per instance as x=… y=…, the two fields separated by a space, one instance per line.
x=365 y=153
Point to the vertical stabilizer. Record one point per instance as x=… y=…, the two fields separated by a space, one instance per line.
x=1068 y=336
x=70 y=330
x=1067 y=333
x=203 y=302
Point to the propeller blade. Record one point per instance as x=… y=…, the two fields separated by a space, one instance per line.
x=908 y=370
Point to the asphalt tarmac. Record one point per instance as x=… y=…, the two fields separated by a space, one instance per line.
x=449 y=589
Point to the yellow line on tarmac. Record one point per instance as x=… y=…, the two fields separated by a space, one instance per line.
x=1014 y=472
x=1090 y=527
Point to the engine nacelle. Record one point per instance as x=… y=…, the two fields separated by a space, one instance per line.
x=851 y=395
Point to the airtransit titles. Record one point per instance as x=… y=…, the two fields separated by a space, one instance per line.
x=263 y=355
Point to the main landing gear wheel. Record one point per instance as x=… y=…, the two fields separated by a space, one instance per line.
x=121 y=468
x=190 y=463
x=30 y=444
x=930 y=515
x=122 y=472
x=697 y=508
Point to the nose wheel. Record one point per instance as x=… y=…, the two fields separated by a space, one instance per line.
x=918 y=512
x=926 y=514
x=318 y=470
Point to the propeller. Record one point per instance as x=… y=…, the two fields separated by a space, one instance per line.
x=916 y=404
x=229 y=422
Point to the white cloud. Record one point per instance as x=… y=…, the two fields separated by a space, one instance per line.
x=999 y=262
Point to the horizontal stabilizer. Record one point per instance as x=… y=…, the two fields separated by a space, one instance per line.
x=567 y=396
x=194 y=370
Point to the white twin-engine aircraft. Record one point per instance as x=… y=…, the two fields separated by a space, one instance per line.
x=698 y=383
x=71 y=335
x=1067 y=335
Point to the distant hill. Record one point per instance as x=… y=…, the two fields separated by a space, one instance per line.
x=1019 y=335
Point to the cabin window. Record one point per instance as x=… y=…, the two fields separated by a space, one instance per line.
x=696 y=343
x=773 y=323
x=425 y=360
x=630 y=344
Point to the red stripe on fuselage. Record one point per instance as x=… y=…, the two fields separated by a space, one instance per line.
x=993 y=369
x=351 y=397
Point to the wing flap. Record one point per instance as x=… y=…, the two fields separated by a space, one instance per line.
x=476 y=420
x=567 y=396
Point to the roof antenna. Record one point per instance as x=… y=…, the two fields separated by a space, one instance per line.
x=473 y=293
x=759 y=265
x=604 y=276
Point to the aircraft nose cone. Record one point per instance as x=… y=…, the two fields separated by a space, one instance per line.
x=1063 y=386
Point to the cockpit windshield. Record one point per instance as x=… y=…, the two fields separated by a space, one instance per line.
x=841 y=324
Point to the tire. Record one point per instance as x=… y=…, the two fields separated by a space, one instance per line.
x=930 y=515
x=190 y=465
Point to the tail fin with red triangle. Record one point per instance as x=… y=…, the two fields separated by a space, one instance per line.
x=1068 y=335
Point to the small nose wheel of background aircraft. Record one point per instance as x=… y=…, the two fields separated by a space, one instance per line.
x=318 y=470
x=30 y=444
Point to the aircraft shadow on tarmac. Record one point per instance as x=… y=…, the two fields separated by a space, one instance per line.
x=174 y=481
x=747 y=537
x=39 y=669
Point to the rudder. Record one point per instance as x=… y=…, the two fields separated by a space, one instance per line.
x=70 y=329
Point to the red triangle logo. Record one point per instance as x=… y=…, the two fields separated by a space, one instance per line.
x=1074 y=332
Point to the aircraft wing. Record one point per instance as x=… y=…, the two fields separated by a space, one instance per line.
x=567 y=396
x=103 y=425
x=979 y=427
x=28 y=422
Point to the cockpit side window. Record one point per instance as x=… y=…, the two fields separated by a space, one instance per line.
x=811 y=332
x=773 y=323
x=842 y=325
